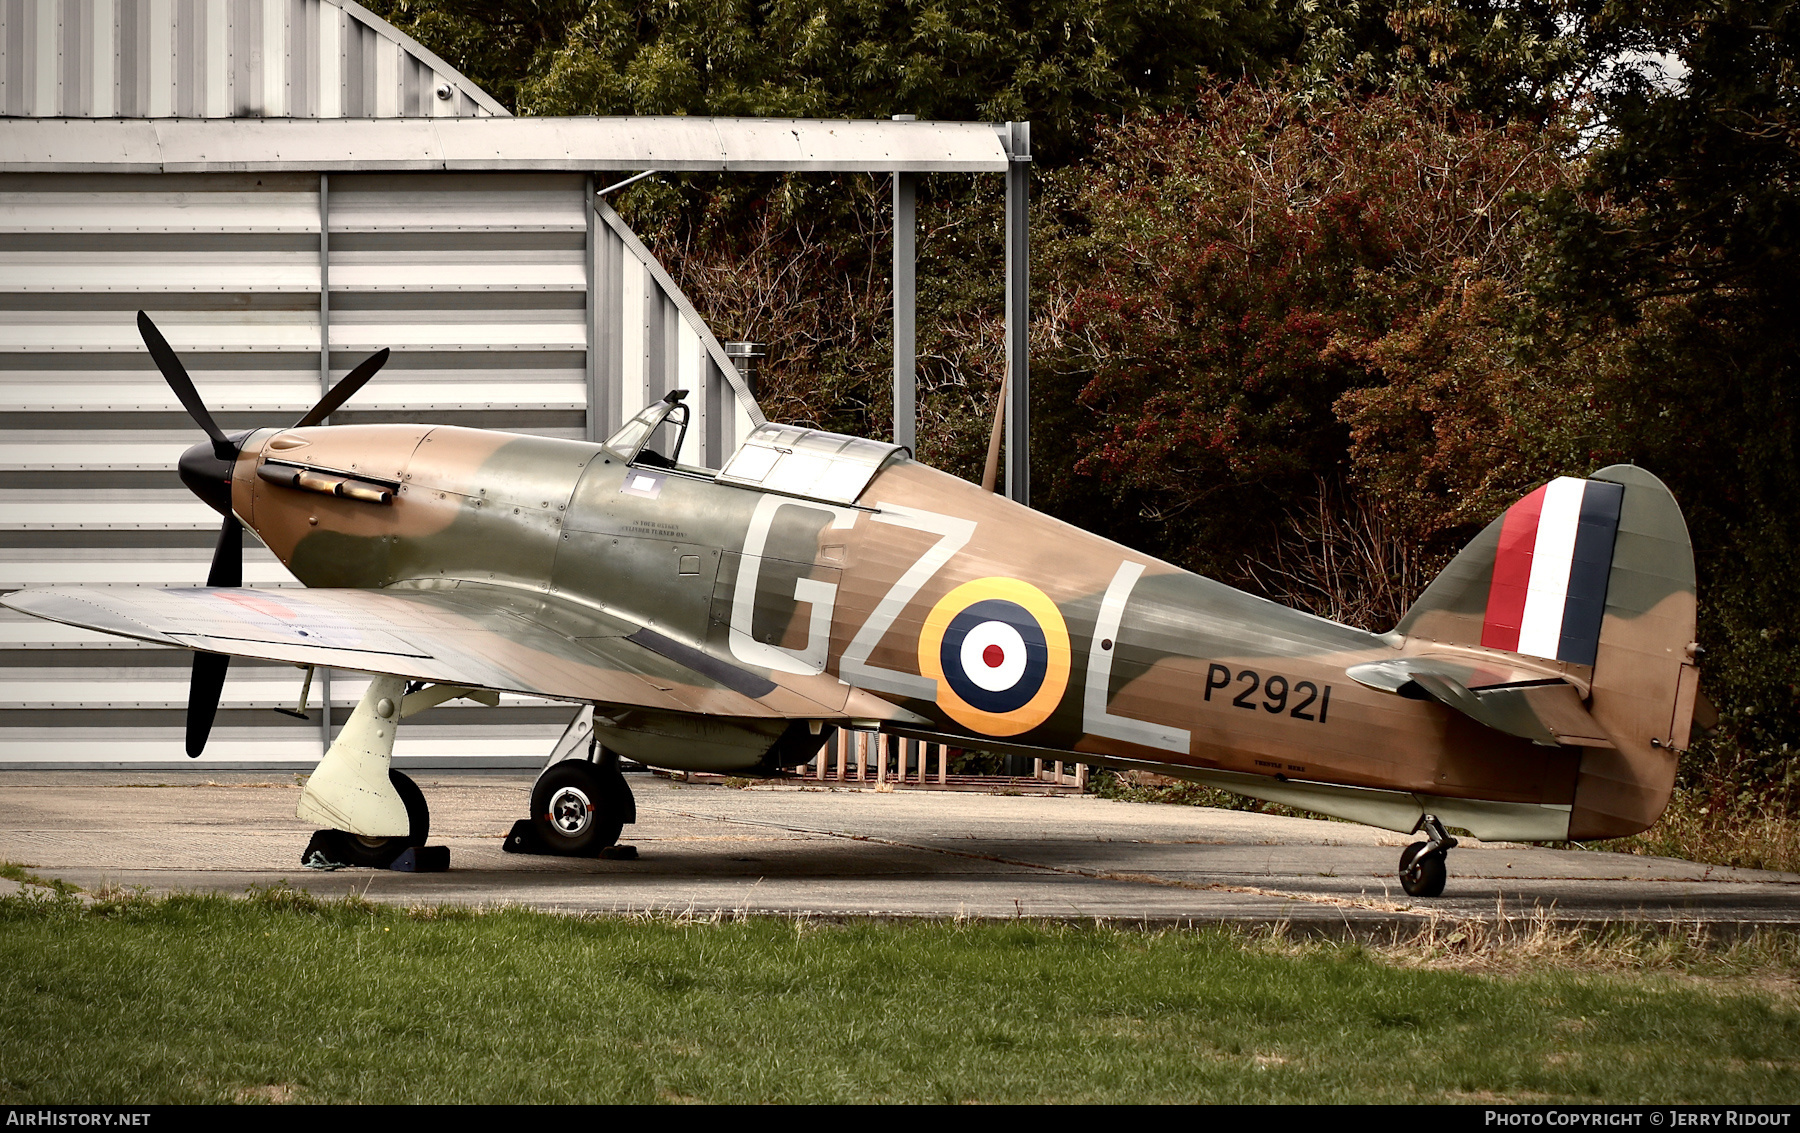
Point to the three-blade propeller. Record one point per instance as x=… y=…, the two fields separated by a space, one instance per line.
x=206 y=469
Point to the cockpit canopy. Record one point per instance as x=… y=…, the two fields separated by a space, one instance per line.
x=808 y=463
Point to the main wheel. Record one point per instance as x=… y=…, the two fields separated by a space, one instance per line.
x=1422 y=875
x=575 y=810
x=380 y=853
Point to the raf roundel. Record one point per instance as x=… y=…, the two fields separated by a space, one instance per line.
x=999 y=651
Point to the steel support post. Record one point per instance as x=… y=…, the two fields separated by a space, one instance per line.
x=595 y=395
x=906 y=215
x=324 y=674
x=1016 y=136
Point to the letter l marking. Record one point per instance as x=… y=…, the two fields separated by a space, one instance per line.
x=1095 y=719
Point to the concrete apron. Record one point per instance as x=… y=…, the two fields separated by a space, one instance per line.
x=711 y=850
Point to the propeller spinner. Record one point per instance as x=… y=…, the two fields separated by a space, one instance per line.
x=206 y=470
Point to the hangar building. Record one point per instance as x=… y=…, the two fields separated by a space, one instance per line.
x=287 y=186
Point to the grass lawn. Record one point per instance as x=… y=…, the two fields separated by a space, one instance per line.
x=278 y=997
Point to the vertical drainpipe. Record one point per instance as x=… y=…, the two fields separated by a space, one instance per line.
x=745 y=356
x=1016 y=136
x=324 y=386
x=906 y=187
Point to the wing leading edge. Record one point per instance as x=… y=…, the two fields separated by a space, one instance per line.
x=470 y=634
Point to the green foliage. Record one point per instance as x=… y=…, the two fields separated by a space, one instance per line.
x=14 y=871
x=1701 y=168
x=1060 y=63
x=800 y=262
x=1686 y=230
x=1507 y=60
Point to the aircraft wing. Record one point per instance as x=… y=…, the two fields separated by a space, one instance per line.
x=465 y=633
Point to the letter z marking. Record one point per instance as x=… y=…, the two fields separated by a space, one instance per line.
x=953 y=535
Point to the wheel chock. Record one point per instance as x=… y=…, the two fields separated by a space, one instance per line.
x=523 y=839
x=422 y=859
x=323 y=851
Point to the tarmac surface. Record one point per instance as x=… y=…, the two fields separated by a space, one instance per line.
x=711 y=850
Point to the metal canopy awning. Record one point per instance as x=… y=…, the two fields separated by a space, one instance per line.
x=674 y=144
x=901 y=148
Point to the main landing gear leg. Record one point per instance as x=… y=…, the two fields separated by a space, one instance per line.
x=1422 y=871
x=374 y=815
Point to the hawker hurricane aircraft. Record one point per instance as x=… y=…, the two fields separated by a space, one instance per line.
x=732 y=619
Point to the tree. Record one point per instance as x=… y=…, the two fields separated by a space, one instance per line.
x=817 y=243
x=1275 y=288
x=1059 y=63
x=1070 y=66
x=1509 y=60
x=1696 y=251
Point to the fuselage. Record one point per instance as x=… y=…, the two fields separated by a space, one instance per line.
x=994 y=626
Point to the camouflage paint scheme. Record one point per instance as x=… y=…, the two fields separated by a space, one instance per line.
x=723 y=627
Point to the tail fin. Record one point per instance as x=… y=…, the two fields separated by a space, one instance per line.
x=1595 y=576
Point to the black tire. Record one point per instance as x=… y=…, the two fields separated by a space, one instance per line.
x=575 y=810
x=1425 y=876
x=379 y=853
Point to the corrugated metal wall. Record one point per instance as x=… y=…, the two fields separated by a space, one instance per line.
x=509 y=303
x=649 y=340
x=220 y=59
x=488 y=287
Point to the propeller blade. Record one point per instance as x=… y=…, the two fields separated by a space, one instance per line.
x=344 y=390
x=228 y=556
x=176 y=375
x=208 y=678
x=204 y=688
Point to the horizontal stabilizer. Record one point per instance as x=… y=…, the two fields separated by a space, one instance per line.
x=1544 y=710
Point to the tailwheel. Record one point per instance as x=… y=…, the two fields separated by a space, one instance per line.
x=379 y=853
x=578 y=808
x=1422 y=869
x=1422 y=874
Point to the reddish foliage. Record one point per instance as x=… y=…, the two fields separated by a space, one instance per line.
x=1267 y=291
